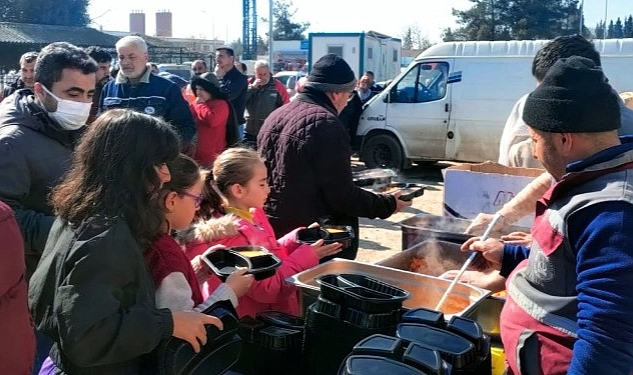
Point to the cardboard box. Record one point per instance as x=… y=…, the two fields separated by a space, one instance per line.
x=470 y=189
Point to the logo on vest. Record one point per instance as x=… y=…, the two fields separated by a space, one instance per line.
x=539 y=266
x=150 y=110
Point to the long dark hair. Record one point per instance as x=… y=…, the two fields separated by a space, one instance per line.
x=113 y=173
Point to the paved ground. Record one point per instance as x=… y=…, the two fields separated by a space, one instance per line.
x=379 y=238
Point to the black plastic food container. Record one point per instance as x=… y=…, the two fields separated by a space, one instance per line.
x=342 y=234
x=224 y=262
x=262 y=266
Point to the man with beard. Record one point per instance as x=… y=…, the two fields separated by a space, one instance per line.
x=25 y=80
x=38 y=132
x=135 y=87
x=233 y=81
x=104 y=60
x=569 y=300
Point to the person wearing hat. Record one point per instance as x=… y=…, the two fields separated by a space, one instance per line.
x=569 y=297
x=307 y=154
x=216 y=122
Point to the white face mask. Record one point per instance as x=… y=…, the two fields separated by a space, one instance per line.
x=70 y=115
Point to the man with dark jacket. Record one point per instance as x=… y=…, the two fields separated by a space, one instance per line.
x=103 y=60
x=265 y=94
x=38 y=131
x=137 y=88
x=17 y=342
x=25 y=80
x=233 y=81
x=307 y=153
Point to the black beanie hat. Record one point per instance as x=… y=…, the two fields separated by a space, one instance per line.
x=574 y=97
x=331 y=74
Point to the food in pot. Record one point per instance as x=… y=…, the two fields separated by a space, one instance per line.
x=418 y=265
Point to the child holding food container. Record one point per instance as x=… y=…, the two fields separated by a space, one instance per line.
x=177 y=279
x=231 y=214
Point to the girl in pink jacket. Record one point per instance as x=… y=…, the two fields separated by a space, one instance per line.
x=232 y=215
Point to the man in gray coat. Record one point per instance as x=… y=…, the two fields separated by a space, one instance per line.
x=38 y=130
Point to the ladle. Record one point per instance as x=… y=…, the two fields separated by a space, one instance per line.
x=468 y=261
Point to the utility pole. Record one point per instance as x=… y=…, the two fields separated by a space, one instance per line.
x=271 y=63
x=582 y=3
x=606 y=8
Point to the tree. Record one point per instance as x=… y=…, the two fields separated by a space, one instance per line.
x=618 y=31
x=46 y=12
x=628 y=27
x=407 y=39
x=283 y=27
x=610 y=30
x=600 y=29
x=262 y=47
x=517 y=19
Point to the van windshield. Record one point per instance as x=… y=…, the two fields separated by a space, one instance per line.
x=424 y=83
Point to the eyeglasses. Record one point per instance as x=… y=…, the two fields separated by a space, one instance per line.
x=197 y=198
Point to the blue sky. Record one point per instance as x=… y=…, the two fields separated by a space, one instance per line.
x=224 y=19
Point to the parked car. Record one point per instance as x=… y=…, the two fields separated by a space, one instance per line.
x=289 y=79
x=182 y=70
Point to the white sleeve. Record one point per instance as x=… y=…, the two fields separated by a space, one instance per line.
x=222 y=292
x=174 y=293
x=514 y=131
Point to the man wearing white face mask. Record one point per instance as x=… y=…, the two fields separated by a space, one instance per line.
x=37 y=135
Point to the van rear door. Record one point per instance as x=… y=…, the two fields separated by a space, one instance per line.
x=419 y=109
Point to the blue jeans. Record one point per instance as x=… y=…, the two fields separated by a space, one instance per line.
x=240 y=130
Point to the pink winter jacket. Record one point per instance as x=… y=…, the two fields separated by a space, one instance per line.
x=272 y=293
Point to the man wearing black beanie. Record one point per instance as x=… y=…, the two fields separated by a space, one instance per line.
x=307 y=153
x=570 y=299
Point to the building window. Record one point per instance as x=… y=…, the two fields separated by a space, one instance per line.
x=370 y=53
x=337 y=50
x=395 y=55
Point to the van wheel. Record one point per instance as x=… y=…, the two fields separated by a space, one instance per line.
x=382 y=151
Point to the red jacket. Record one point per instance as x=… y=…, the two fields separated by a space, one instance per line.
x=17 y=338
x=211 y=118
x=272 y=293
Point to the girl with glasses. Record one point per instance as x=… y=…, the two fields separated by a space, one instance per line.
x=178 y=280
x=232 y=215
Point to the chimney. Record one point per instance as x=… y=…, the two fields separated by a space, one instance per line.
x=137 y=22
x=163 y=24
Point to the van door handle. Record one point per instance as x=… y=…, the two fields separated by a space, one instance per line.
x=446 y=107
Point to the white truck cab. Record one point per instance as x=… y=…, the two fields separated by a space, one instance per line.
x=453 y=100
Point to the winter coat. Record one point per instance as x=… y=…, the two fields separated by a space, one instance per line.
x=211 y=124
x=307 y=153
x=93 y=295
x=15 y=86
x=34 y=155
x=236 y=84
x=260 y=102
x=272 y=293
x=17 y=342
x=152 y=95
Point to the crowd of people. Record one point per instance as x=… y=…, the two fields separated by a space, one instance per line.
x=114 y=189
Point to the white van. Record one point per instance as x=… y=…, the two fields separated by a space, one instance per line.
x=452 y=102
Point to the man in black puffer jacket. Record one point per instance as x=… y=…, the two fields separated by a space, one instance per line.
x=307 y=152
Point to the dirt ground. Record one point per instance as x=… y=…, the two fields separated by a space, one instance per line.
x=379 y=238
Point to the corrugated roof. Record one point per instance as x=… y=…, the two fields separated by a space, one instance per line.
x=11 y=32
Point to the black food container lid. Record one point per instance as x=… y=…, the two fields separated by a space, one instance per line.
x=454 y=349
x=424 y=358
x=281 y=319
x=426 y=316
x=471 y=330
x=366 y=364
x=379 y=345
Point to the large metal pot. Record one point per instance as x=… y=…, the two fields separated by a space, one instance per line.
x=425 y=290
